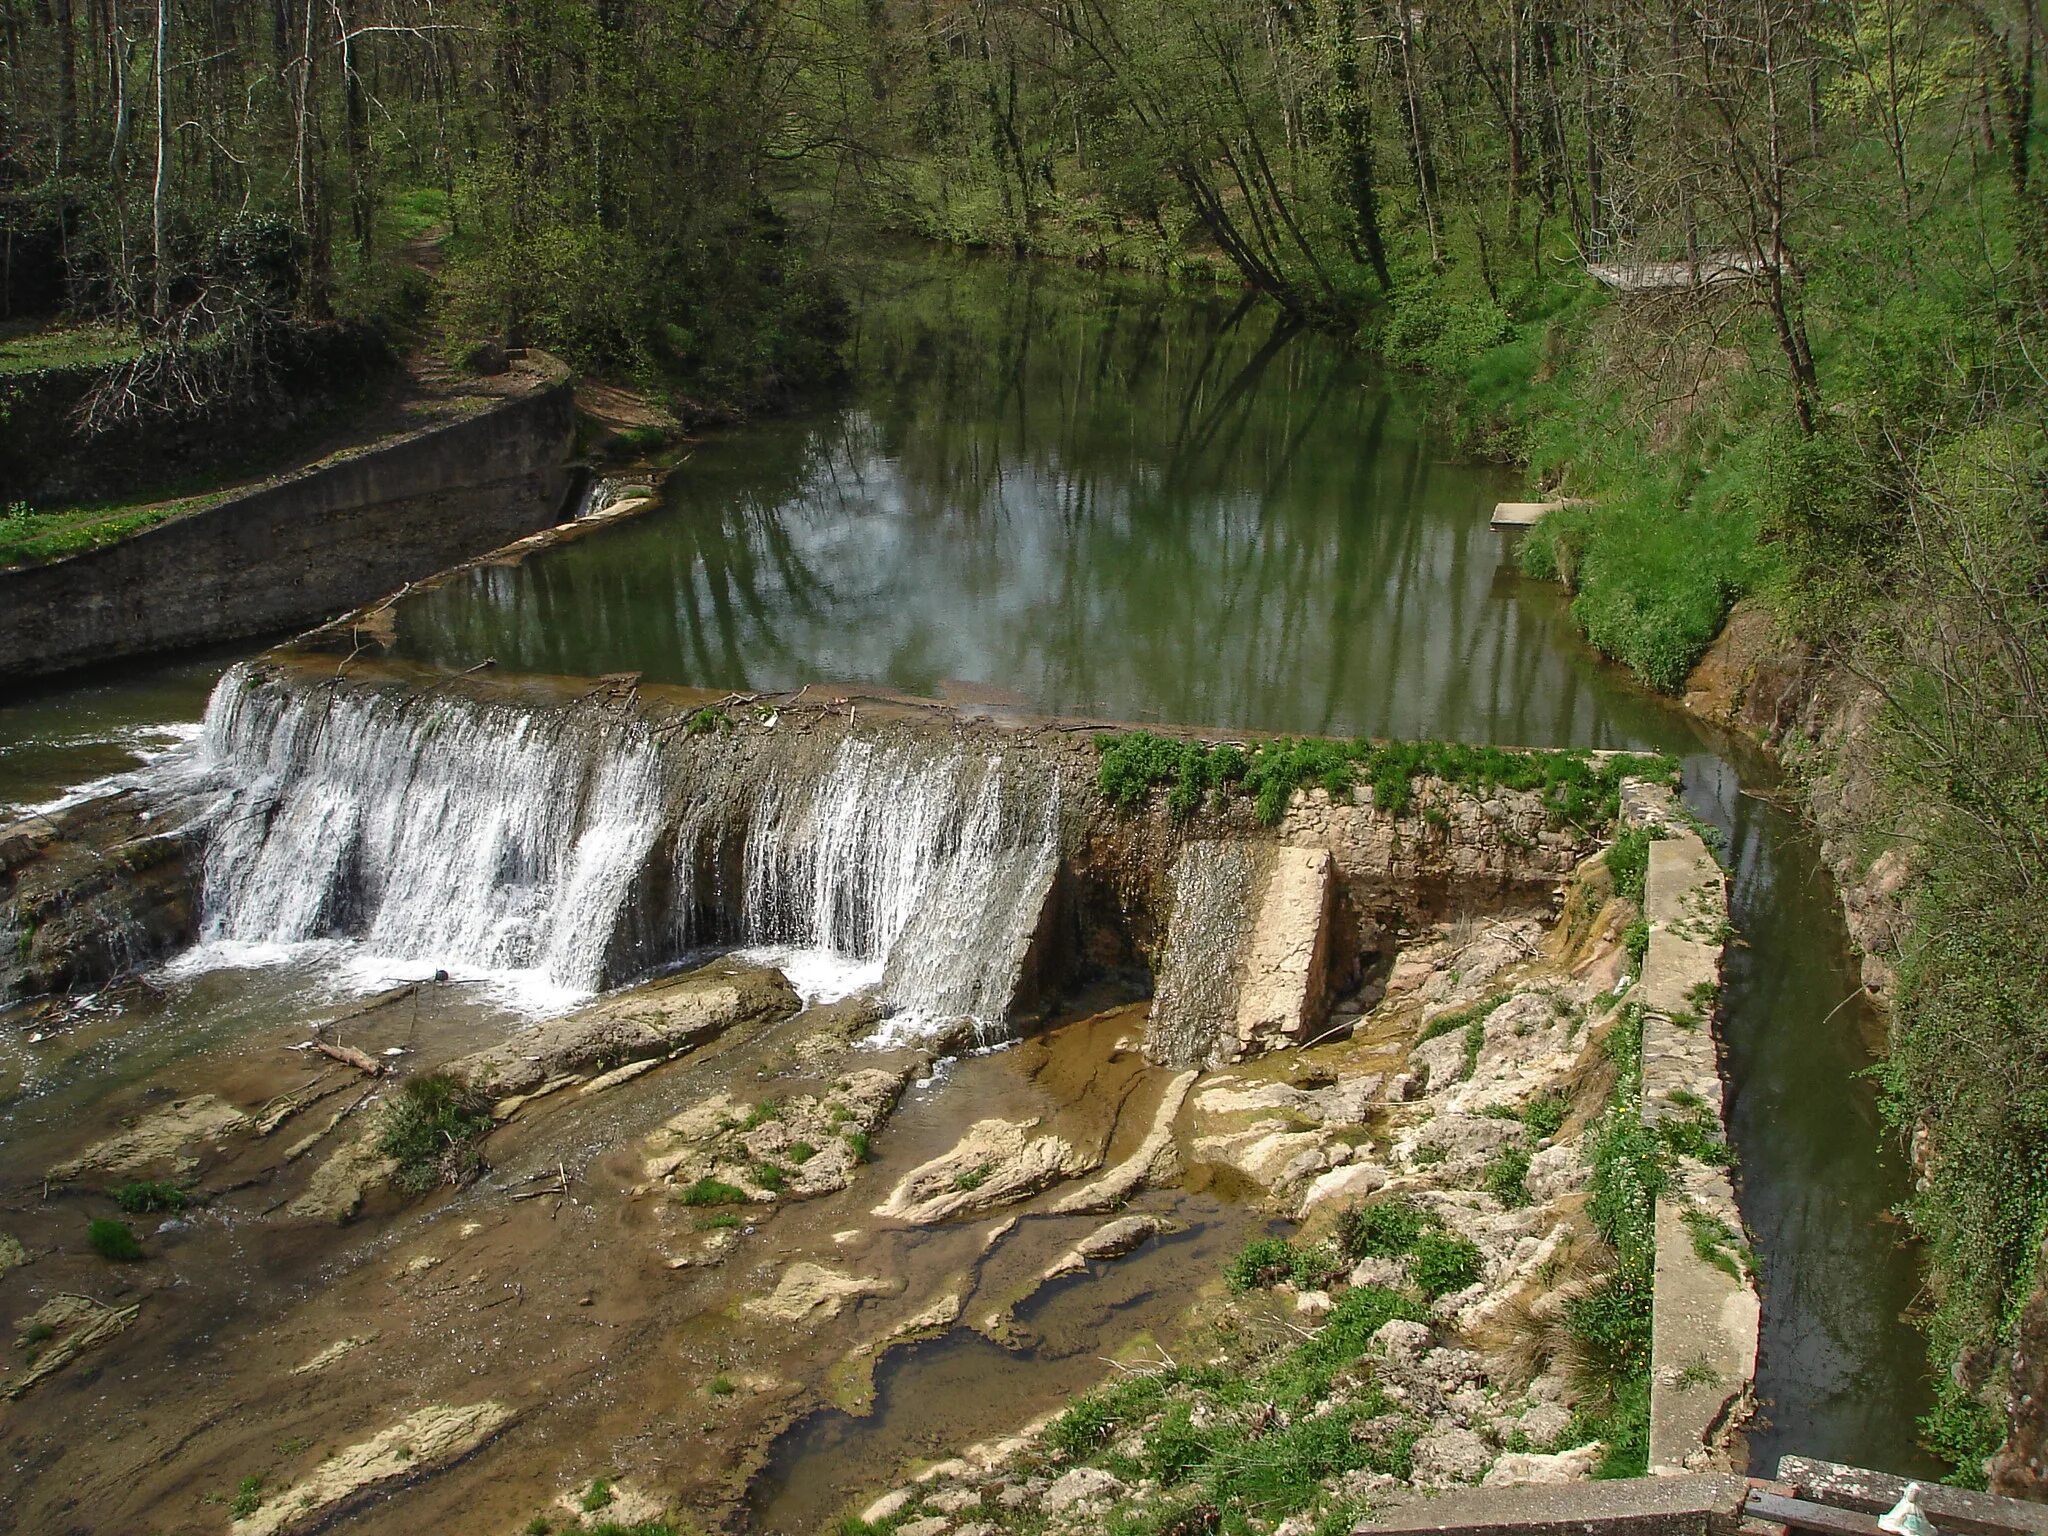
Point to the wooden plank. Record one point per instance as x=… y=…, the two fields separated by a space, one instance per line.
x=1804 y=1515
x=1957 y=1511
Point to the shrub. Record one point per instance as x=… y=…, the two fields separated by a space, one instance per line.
x=1545 y=1115
x=248 y=1498
x=1443 y=1263
x=710 y=1191
x=430 y=1128
x=147 y=1196
x=1261 y=1261
x=114 y=1242
x=1381 y=1231
x=1507 y=1177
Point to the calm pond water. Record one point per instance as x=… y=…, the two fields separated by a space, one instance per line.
x=1086 y=495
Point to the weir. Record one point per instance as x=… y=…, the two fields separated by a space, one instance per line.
x=568 y=850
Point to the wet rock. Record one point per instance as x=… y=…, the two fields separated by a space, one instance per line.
x=1564 y=1467
x=930 y=1525
x=338 y=1186
x=1156 y=1160
x=1112 y=1240
x=674 y=1013
x=417 y=1442
x=332 y=1353
x=92 y=893
x=814 y=1143
x=66 y=1326
x=811 y=1291
x=159 y=1139
x=1448 y=1454
x=995 y=1163
x=950 y=1501
x=1082 y=1485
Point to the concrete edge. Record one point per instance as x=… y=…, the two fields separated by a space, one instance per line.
x=1706 y=1314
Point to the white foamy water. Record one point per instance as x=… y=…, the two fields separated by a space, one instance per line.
x=549 y=854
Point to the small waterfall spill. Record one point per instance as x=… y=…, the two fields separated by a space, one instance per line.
x=562 y=850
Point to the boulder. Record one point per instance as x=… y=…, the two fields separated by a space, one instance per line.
x=1448 y=1454
x=995 y=1163
x=809 y=1292
x=1565 y=1467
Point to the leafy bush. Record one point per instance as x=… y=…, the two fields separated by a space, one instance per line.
x=710 y=1191
x=114 y=1241
x=1507 y=1177
x=1383 y=1230
x=1443 y=1263
x=430 y=1129
x=147 y=1196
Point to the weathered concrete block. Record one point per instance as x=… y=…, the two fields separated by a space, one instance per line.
x=1705 y=1504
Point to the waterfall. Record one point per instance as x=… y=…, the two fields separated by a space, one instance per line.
x=560 y=850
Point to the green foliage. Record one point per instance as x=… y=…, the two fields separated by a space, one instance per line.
x=1544 y=1116
x=1265 y=1260
x=248 y=1498
x=857 y=1140
x=723 y=1386
x=146 y=1196
x=1507 y=1177
x=769 y=1176
x=1443 y=1263
x=1628 y=861
x=969 y=1179
x=114 y=1241
x=1963 y=1431
x=1383 y=1230
x=761 y=1114
x=710 y=1191
x=598 y=1495
x=430 y=1129
x=1576 y=789
x=800 y=1152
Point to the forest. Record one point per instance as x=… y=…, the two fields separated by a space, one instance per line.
x=1765 y=281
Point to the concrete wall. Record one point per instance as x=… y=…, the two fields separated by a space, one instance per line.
x=301 y=549
x=1705 y=1312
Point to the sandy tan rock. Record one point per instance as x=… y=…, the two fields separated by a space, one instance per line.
x=160 y=1138
x=808 y=1291
x=995 y=1163
x=1156 y=1161
x=76 y=1324
x=1525 y=1467
x=673 y=1013
x=420 y=1441
x=336 y=1190
x=332 y=1353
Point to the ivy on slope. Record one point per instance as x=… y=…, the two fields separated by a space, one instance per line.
x=1578 y=788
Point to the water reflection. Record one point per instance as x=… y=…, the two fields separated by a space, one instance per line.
x=1091 y=495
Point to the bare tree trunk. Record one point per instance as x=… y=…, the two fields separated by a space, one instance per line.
x=159 y=190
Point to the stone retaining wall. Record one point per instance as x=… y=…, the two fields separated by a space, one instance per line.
x=300 y=549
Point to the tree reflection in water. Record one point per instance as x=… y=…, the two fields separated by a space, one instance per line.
x=1087 y=493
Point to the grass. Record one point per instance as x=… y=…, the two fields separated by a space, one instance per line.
x=114 y=1241
x=1265 y=1440
x=29 y=536
x=970 y=1179
x=710 y=1191
x=1576 y=789
x=857 y=1142
x=723 y=1386
x=1443 y=1263
x=769 y=1176
x=71 y=346
x=430 y=1129
x=721 y=1221
x=146 y=1196
x=597 y=1496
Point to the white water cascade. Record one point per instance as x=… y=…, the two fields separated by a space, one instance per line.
x=558 y=850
